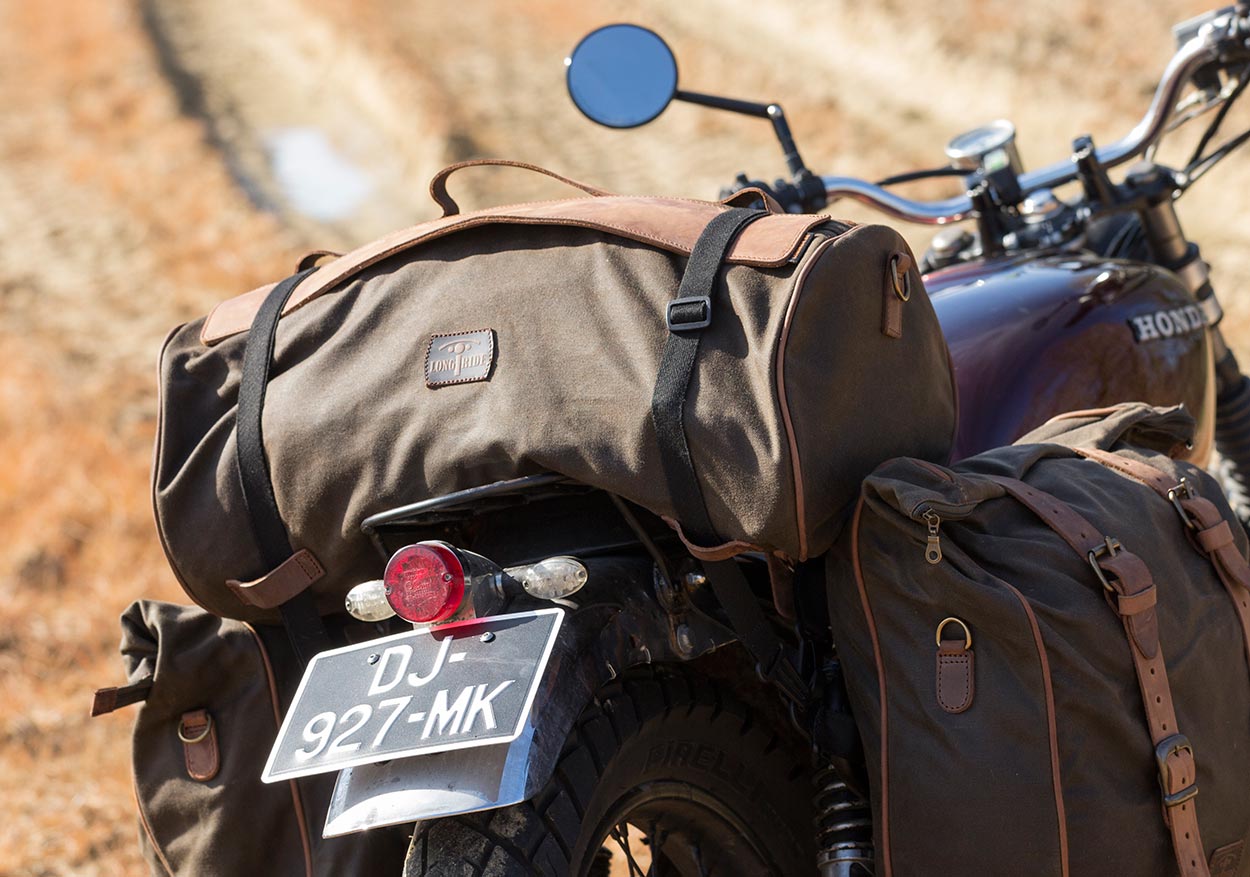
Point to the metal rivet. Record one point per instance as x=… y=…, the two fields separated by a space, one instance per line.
x=374 y=658
x=487 y=637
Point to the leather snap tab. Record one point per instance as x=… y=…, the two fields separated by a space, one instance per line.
x=198 y=733
x=956 y=667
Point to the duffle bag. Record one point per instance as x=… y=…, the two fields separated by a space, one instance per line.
x=736 y=371
x=1046 y=650
x=211 y=693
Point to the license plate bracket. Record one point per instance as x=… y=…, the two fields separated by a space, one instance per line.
x=455 y=686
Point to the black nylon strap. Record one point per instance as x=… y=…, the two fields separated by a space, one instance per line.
x=687 y=315
x=299 y=614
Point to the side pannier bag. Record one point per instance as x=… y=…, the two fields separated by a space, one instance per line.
x=211 y=693
x=1046 y=650
x=759 y=364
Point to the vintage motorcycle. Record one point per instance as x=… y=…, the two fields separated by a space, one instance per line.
x=645 y=739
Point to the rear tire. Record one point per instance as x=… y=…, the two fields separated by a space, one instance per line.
x=669 y=754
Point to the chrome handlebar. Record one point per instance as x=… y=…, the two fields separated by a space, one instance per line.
x=1225 y=32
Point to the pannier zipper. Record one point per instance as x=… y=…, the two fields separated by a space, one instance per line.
x=927 y=512
x=933 y=550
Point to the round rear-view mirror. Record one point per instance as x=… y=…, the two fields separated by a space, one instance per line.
x=622 y=75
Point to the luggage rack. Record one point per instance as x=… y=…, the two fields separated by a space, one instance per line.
x=454 y=506
x=516 y=516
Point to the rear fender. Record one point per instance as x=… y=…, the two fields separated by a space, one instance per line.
x=618 y=623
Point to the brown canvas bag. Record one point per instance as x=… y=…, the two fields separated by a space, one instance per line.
x=1047 y=656
x=524 y=339
x=211 y=694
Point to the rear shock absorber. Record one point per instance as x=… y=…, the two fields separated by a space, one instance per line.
x=843 y=828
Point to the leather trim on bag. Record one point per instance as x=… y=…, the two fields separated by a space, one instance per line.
x=441 y=197
x=896 y=291
x=796 y=468
x=1052 y=731
x=293 y=576
x=956 y=678
x=301 y=819
x=1214 y=540
x=711 y=553
x=884 y=796
x=1129 y=576
x=1226 y=861
x=200 y=752
x=147 y=830
x=669 y=223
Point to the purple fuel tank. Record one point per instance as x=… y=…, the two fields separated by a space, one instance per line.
x=1036 y=336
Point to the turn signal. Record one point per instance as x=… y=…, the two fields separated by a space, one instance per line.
x=424 y=583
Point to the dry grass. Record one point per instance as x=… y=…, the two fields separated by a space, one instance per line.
x=118 y=220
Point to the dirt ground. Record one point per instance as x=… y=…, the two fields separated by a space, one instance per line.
x=142 y=150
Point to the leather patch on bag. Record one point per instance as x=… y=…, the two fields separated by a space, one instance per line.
x=459 y=358
x=198 y=734
x=956 y=667
x=1226 y=861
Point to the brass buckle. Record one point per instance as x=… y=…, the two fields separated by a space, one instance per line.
x=208 y=726
x=1165 y=749
x=1110 y=548
x=903 y=290
x=953 y=620
x=1175 y=495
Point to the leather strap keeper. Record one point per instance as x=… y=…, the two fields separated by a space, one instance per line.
x=273 y=589
x=198 y=733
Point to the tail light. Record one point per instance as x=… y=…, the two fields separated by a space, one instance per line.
x=424 y=583
x=433 y=582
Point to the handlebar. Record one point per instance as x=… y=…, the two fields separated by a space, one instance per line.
x=1224 y=34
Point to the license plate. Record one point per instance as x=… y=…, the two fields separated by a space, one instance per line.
x=452 y=687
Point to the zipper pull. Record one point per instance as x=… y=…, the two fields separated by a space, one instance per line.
x=933 y=550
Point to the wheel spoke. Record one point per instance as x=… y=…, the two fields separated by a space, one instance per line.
x=620 y=834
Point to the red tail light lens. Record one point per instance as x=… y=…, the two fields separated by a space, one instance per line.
x=424 y=582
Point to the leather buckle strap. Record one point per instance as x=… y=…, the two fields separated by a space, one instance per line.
x=782 y=673
x=1178 y=493
x=687 y=314
x=1164 y=750
x=1110 y=548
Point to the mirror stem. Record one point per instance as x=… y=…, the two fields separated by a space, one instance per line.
x=773 y=112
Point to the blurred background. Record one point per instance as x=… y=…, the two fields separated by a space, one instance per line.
x=157 y=156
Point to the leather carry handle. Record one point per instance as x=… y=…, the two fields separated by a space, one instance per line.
x=438 y=185
x=747 y=197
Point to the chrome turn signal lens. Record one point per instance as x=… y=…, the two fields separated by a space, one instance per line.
x=367 y=602
x=551 y=579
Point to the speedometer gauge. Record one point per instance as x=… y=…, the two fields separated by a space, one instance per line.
x=971 y=149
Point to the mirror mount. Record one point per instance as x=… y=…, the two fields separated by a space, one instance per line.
x=623 y=76
x=773 y=112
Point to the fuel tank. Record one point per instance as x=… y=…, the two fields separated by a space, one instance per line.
x=1036 y=336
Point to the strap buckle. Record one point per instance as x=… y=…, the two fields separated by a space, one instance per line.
x=1175 y=495
x=782 y=673
x=1110 y=548
x=1165 y=749
x=681 y=320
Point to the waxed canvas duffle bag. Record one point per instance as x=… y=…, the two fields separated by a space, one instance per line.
x=210 y=694
x=754 y=363
x=1046 y=650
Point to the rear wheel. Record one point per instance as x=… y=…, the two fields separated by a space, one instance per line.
x=662 y=774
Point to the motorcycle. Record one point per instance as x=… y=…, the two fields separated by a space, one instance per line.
x=629 y=726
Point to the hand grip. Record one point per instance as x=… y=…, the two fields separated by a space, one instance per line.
x=438 y=185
